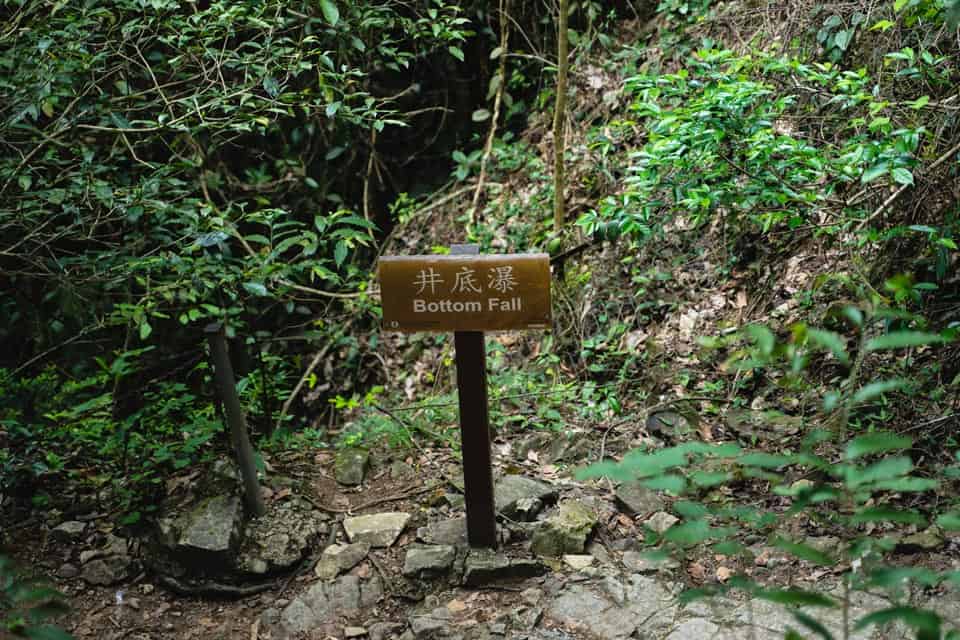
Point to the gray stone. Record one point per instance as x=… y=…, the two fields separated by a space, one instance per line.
x=354 y=632
x=447 y=532
x=694 y=629
x=577 y=562
x=212 y=526
x=428 y=561
x=483 y=567
x=67 y=571
x=106 y=571
x=324 y=602
x=929 y=539
x=565 y=532
x=638 y=500
x=637 y=562
x=527 y=509
x=280 y=538
x=400 y=470
x=350 y=466
x=661 y=521
x=384 y=630
x=69 y=531
x=339 y=558
x=435 y=624
x=377 y=530
x=599 y=552
x=512 y=488
x=580 y=609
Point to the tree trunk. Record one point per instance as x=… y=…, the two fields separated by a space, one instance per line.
x=559 y=120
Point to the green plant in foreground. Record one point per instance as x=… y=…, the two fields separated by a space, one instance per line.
x=26 y=605
x=865 y=495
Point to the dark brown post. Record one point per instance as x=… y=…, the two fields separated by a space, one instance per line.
x=226 y=387
x=471 y=357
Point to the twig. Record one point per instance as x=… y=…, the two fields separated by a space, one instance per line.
x=373 y=503
x=488 y=148
x=303 y=380
x=899 y=192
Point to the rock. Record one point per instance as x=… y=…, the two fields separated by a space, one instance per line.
x=211 y=528
x=669 y=424
x=527 y=509
x=446 y=532
x=337 y=559
x=428 y=561
x=70 y=531
x=513 y=488
x=354 y=632
x=377 y=530
x=322 y=603
x=482 y=567
x=577 y=562
x=106 y=571
x=280 y=538
x=350 y=466
x=435 y=624
x=829 y=545
x=929 y=539
x=581 y=608
x=637 y=562
x=694 y=629
x=660 y=522
x=599 y=552
x=638 y=500
x=384 y=630
x=616 y=612
x=400 y=470
x=67 y=571
x=566 y=532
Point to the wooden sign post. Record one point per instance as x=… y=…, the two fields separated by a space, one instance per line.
x=468 y=294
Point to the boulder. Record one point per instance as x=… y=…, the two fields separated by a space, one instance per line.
x=337 y=559
x=483 y=567
x=425 y=561
x=322 y=604
x=107 y=571
x=350 y=466
x=636 y=499
x=280 y=538
x=446 y=532
x=660 y=522
x=377 y=530
x=512 y=489
x=70 y=531
x=211 y=528
x=565 y=532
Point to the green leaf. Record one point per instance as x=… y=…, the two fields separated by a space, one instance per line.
x=949 y=521
x=764 y=460
x=831 y=341
x=804 y=552
x=902 y=176
x=903 y=339
x=670 y=483
x=48 y=633
x=688 y=534
x=919 y=103
x=886 y=514
x=874 y=172
x=145 y=330
x=256 y=288
x=456 y=52
x=878 y=442
x=763 y=337
x=891 y=467
x=480 y=115
x=25 y=181
x=340 y=253
x=496 y=53
x=812 y=624
x=875 y=389
x=882 y=25
x=330 y=12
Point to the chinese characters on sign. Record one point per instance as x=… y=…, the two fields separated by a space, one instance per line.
x=465 y=292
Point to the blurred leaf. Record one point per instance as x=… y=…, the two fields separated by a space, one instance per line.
x=330 y=12
x=903 y=339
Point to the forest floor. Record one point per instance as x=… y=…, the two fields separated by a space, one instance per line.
x=599 y=586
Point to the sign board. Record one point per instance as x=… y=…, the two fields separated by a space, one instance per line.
x=465 y=292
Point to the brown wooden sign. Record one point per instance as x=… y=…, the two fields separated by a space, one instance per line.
x=465 y=292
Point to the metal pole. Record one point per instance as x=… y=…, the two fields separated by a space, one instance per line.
x=226 y=386
x=471 y=359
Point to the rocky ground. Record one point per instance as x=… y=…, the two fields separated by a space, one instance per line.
x=359 y=548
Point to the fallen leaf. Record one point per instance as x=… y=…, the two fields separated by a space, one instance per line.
x=533 y=456
x=697 y=572
x=741 y=299
x=456 y=606
x=724 y=573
